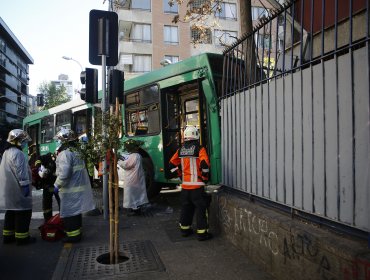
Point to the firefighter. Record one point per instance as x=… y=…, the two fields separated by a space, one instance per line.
x=73 y=184
x=46 y=175
x=191 y=164
x=15 y=191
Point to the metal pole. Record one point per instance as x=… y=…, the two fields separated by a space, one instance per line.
x=104 y=109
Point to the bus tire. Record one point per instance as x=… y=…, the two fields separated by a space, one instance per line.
x=152 y=188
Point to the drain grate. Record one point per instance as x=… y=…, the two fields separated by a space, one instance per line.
x=82 y=263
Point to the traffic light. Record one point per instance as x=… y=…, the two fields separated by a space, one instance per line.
x=116 y=80
x=89 y=78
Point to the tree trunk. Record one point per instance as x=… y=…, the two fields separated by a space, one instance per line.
x=248 y=46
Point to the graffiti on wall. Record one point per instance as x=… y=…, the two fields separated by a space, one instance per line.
x=292 y=246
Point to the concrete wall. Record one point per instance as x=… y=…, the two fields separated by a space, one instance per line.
x=285 y=247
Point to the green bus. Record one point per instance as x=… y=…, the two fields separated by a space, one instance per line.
x=157 y=107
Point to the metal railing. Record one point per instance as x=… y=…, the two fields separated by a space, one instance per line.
x=295 y=110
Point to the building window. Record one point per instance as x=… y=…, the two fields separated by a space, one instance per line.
x=142 y=63
x=259 y=12
x=174 y=9
x=225 y=37
x=263 y=41
x=172 y=58
x=201 y=37
x=171 y=35
x=196 y=4
x=141 y=4
x=228 y=11
x=141 y=33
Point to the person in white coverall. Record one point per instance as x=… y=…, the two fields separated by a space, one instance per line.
x=16 y=189
x=134 y=190
x=73 y=185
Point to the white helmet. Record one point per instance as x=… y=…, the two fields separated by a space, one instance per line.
x=18 y=135
x=191 y=133
x=65 y=135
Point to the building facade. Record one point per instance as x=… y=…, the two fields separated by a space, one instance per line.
x=63 y=80
x=14 y=71
x=148 y=38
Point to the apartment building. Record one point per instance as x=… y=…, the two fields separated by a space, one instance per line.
x=14 y=71
x=63 y=80
x=148 y=39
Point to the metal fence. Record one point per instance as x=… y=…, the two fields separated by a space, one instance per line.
x=295 y=110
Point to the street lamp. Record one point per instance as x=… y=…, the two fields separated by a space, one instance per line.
x=70 y=58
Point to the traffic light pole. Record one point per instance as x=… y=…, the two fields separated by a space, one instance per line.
x=104 y=134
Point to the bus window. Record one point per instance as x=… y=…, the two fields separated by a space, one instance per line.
x=64 y=119
x=80 y=122
x=192 y=112
x=47 y=129
x=142 y=111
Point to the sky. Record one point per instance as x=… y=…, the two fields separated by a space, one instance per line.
x=50 y=29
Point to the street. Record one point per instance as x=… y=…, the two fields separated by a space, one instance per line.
x=151 y=242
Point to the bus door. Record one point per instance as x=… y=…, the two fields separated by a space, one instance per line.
x=171 y=126
x=183 y=105
x=33 y=146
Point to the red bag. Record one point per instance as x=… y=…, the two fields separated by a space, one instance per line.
x=53 y=229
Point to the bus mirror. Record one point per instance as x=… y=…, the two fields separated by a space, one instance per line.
x=116 y=81
x=89 y=78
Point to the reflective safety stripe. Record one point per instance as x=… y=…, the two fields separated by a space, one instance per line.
x=200 y=231
x=78 y=167
x=193 y=169
x=47 y=211
x=205 y=170
x=8 y=232
x=174 y=169
x=193 y=183
x=184 y=227
x=37 y=162
x=73 y=189
x=21 y=235
x=73 y=233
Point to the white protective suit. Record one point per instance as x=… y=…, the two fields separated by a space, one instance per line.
x=74 y=185
x=14 y=173
x=134 y=190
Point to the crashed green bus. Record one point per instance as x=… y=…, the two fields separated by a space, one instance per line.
x=157 y=107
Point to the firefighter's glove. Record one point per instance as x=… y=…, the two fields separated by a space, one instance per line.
x=26 y=190
x=56 y=189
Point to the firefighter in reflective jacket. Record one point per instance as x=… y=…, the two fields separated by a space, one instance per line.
x=16 y=189
x=191 y=164
x=73 y=183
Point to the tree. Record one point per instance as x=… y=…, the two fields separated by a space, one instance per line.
x=199 y=11
x=53 y=96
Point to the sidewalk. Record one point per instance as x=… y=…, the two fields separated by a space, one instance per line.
x=152 y=243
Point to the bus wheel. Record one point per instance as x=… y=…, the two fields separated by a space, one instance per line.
x=152 y=188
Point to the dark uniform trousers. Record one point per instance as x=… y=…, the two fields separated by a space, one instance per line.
x=72 y=228
x=194 y=200
x=16 y=226
x=47 y=202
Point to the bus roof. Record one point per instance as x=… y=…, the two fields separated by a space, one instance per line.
x=73 y=105
x=190 y=64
